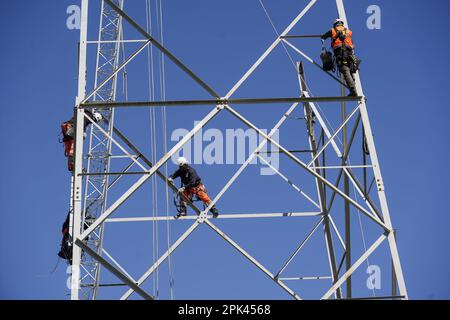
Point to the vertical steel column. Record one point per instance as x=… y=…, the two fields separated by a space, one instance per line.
x=77 y=179
x=394 y=278
x=98 y=156
x=377 y=172
x=348 y=259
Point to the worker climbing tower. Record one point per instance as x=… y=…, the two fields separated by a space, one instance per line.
x=332 y=166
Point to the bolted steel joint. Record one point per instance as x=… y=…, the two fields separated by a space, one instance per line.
x=201 y=218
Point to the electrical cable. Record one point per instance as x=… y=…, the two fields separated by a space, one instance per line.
x=277 y=33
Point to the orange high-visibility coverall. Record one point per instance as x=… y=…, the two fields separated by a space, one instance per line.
x=200 y=191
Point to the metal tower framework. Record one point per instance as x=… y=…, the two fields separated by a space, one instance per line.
x=99 y=147
x=315 y=167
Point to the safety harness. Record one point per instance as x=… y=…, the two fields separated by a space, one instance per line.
x=346 y=55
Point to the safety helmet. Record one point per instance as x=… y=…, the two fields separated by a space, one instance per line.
x=182 y=161
x=338 y=22
x=97 y=116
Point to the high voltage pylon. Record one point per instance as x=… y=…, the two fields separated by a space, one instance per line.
x=92 y=207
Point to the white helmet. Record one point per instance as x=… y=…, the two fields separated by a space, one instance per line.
x=338 y=21
x=97 y=116
x=182 y=161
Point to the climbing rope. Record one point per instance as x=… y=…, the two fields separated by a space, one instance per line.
x=56 y=266
x=152 y=118
x=124 y=72
x=162 y=81
x=152 y=64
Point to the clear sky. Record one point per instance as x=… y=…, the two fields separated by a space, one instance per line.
x=404 y=77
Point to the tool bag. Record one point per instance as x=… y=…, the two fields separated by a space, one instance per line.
x=328 y=60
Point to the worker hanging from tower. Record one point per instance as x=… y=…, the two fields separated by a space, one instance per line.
x=191 y=186
x=68 y=135
x=343 y=47
x=66 y=242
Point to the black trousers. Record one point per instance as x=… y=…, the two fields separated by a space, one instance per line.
x=344 y=62
x=345 y=70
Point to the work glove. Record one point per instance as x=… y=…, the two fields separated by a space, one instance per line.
x=181 y=190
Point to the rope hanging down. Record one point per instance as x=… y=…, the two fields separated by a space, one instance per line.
x=165 y=146
x=160 y=64
x=154 y=197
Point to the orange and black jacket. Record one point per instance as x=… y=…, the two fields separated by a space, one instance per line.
x=340 y=36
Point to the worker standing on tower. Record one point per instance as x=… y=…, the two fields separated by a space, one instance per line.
x=191 y=185
x=343 y=47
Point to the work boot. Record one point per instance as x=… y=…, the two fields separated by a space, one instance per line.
x=215 y=212
x=62 y=255
x=182 y=213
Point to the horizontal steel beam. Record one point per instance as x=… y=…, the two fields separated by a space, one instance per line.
x=113 y=173
x=306 y=278
x=115 y=41
x=302 y=36
x=104 y=285
x=375 y=298
x=291 y=151
x=221 y=216
x=209 y=102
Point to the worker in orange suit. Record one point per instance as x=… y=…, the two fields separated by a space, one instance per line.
x=343 y=47
x=68 y=134
x=191 y=185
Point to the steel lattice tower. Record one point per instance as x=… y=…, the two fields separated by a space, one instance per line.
x=92 y=171
x=99 y=146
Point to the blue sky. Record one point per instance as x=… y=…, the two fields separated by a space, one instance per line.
x=404 y=77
